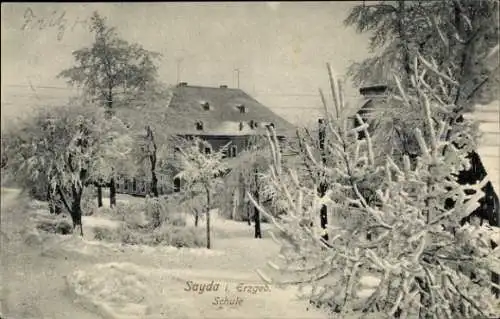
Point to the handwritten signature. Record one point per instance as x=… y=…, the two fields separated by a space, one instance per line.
x=57 y=19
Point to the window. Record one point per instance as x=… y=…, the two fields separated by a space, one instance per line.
x=253 y=124
x=205 y=105
x=177 y=184
x=241 y=126
x=199 y=126
x=241 y=108
x=233 y=150
x=208 y=150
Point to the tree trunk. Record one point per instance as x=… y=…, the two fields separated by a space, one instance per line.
x=57 y=205
x=51 y=201
x=154 y=183
x=256 y=213
x=76 y=208
x=109 y=103
x=112 y=193
x=99 y=196
x=208 y=218
x=248 y=208
x=235 y=205
x=404 y=45
x=323 y=215
x=152 y=159
x=196 y=218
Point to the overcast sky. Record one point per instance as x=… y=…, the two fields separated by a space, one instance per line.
x=280 y=48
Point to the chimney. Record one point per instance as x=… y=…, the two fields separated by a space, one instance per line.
x=371 y=91
x=182 y=84
x=223 y=86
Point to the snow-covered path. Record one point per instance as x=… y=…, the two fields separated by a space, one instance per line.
x=39 y=280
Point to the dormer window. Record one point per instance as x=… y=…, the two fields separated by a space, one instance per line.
x=241 y=108
x=205 y=105
x=253 y=124
x=199 y=126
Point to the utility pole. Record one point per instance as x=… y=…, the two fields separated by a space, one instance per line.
x=237 y=77
x=179 y=60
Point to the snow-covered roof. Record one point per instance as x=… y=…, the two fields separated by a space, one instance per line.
x=225 y=114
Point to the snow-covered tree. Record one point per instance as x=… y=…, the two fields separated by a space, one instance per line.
x=69 y=147
x=454 y=37
x=201 y=171
x=146 y=118
x=246 y=175
x=112 y=73
x=406 y=238
x=456 y=33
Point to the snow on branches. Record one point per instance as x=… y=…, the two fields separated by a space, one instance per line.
x=67 y=148
x=406 y=238
x=201 y=169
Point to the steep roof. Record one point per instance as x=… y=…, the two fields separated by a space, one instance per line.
x=223 y=116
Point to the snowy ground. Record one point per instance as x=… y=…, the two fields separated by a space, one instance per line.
x=60 y=276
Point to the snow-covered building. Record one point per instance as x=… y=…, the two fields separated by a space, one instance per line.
x=218 y=115
x=488 y=118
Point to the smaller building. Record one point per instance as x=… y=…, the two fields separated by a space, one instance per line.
x=484 y=161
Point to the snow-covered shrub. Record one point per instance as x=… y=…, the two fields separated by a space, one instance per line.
x=407 y=235
x=191 y=237
x=55 y=226
x=165 y=235
x=124 y=234
x=163 y=210
x=105 y=234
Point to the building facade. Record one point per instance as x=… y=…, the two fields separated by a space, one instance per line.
x=217 y=115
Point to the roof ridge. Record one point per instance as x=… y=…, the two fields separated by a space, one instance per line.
x=208 y=87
